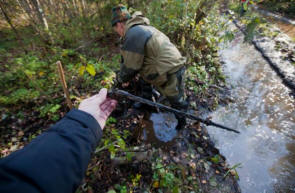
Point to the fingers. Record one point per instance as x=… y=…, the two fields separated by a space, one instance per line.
x=101 y=96
x=110 y=108
x=108 y=105
x=105 y=110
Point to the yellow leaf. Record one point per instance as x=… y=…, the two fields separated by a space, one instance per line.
x=81 y=70
x=90 y=69
x=41 y=73
x=156 y=184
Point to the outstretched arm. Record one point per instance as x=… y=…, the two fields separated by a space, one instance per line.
x=56 y=161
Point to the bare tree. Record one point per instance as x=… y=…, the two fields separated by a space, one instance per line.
x=75 y=7
x=40 y=14
x=7 y=18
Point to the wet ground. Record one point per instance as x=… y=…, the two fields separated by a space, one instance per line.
x=286 y=25
x=286 y=28
x=264 y=112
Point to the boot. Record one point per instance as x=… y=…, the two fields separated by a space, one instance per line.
x=146 y=92
x=181 y=105
x=181 y=122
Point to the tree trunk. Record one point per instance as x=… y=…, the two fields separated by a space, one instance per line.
x=40 y=14
x=27 y=9
x=8 y=19
x=67 y=10
x=84 y=11
x=75 y=7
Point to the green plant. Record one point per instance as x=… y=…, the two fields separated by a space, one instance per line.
x=164 y=177
x=50 y=110
x=233 y=170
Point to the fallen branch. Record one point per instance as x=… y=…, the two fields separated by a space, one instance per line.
x=136 y=158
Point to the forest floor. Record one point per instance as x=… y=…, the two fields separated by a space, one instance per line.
x=188 y=163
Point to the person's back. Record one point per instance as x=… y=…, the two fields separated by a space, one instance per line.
x=144 y=42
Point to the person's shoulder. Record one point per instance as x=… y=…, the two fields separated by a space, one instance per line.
x=136 y=38
x=138 y=31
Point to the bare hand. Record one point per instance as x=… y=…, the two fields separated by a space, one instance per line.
x=99 y=106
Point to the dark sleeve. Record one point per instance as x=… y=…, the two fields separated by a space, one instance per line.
x=126 y=74
x=54 y=162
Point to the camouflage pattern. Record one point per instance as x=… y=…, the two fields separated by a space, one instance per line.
x=119 y=14
x=174 y=89
x=150 y=53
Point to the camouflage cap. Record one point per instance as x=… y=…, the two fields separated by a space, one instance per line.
x=119 y=14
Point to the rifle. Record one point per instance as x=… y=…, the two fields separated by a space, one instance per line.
x=117 y=92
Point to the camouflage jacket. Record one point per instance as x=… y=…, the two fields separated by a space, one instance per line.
x=147 y=51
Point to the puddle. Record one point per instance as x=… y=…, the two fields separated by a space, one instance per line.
x=160 y=128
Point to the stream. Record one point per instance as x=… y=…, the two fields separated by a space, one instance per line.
x=264 y=113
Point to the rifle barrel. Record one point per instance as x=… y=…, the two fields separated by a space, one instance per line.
x=164 y=107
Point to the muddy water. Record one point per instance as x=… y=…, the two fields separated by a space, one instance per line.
x=265 y=114
x=160 y=128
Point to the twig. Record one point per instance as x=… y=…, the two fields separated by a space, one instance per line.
x=64 y=84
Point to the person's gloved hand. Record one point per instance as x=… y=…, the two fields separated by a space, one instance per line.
x=119 y=83
x=99 y=106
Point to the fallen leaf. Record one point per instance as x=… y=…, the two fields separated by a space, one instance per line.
x=20 y=133
x=90 y=69
x=156 y=184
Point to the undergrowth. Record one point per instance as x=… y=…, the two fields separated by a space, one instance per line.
x=30 y=85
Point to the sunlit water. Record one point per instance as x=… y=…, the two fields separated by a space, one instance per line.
x=265 y=114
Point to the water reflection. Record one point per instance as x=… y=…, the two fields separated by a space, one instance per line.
x=264 y=113
x=160 y=128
